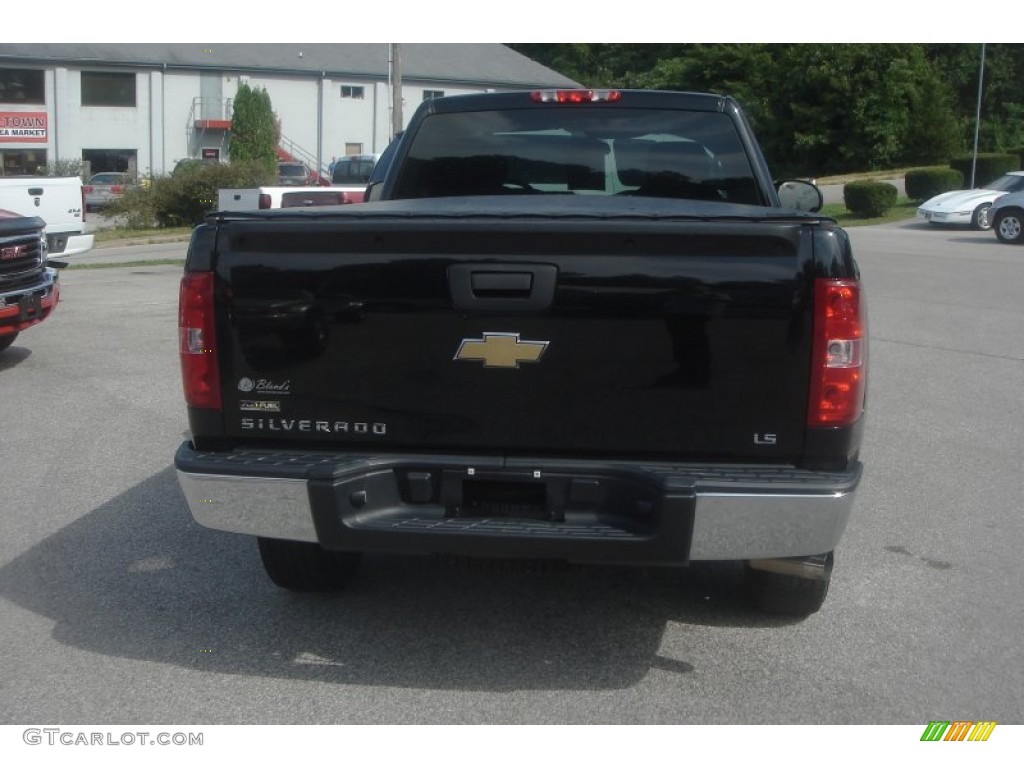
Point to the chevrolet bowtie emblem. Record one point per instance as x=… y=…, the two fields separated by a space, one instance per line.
x=501 y=350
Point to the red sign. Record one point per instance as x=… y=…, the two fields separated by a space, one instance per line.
x=27 y=127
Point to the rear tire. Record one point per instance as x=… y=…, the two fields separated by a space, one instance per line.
x=980 y=219
x=788 y=594
x=6 y=341
x=1007 y=225
x=304 y=567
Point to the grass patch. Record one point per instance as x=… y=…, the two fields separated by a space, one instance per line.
x=116 y=234
x=903 y=210
x=137 y=263
x=896 y=173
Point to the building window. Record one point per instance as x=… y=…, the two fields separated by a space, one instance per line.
x=352 y=148
x=427 y=95
x=22 y=162
x=110 y=161
x=352 y=91
x=108 y=89
x=22 y=86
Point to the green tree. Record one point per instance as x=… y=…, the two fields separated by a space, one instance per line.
x=1002 y=105
x=860 y=107
x=821 y=108
x=254 y=129
x=744 y=71
x=600 y=65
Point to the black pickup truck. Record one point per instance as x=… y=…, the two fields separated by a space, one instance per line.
x=574 y=325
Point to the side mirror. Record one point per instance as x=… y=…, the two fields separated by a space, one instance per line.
x=800 y=195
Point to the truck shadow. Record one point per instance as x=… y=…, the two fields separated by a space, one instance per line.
x=13 y=356
x=137 y=578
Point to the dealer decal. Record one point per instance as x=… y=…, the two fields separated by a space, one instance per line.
x=264 y=386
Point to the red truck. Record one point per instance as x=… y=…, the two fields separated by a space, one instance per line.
x=29 y=289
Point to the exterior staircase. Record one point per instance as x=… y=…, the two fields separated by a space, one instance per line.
x=289 y=151
x=212 y=118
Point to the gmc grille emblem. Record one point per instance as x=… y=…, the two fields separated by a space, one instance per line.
x=12 y=252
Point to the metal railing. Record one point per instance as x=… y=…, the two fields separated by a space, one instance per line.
x=295 y=152
x=206 y=109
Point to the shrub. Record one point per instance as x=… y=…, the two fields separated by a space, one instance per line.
x=991 y=166
x=925 y=183
x=135 y=208
x=71 y=167
x=184 y=198
x=869 y=199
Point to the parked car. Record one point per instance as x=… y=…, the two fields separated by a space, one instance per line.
x=291 y=174
x=970 y=206
x=104 y=188
x=1006 y=215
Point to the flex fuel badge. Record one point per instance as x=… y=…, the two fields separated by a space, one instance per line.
x=261 y=406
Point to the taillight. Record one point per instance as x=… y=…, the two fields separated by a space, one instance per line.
x=575 y=96
x=116 y=189
x=264 y=201
x=839 y=354
x=86 y=189
x=84 y=209
x=197 y=341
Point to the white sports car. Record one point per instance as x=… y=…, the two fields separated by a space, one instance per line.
x=970 y=206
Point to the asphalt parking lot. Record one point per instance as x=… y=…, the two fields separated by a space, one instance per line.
x=117 y=608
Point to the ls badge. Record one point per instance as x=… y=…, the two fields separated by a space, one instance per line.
x=501 y=350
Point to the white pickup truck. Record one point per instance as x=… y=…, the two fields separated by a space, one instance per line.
x=263 y=198
x=58 y=201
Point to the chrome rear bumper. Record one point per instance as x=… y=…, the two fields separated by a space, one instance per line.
x=613 y=512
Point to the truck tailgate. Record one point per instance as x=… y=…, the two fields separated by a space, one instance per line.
x=518 y=335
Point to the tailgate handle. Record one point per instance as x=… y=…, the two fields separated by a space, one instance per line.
x=505 y=283
x=503 y=287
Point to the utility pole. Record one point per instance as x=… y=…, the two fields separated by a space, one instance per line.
x=977 y=115
x=396 y=88
x=320 y=129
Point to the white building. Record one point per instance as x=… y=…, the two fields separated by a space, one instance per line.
x=142 y=107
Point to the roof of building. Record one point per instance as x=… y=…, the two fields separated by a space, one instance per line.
x=470 y=63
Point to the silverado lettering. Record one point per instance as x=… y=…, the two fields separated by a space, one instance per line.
x=306 y=425
x=589 y=324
